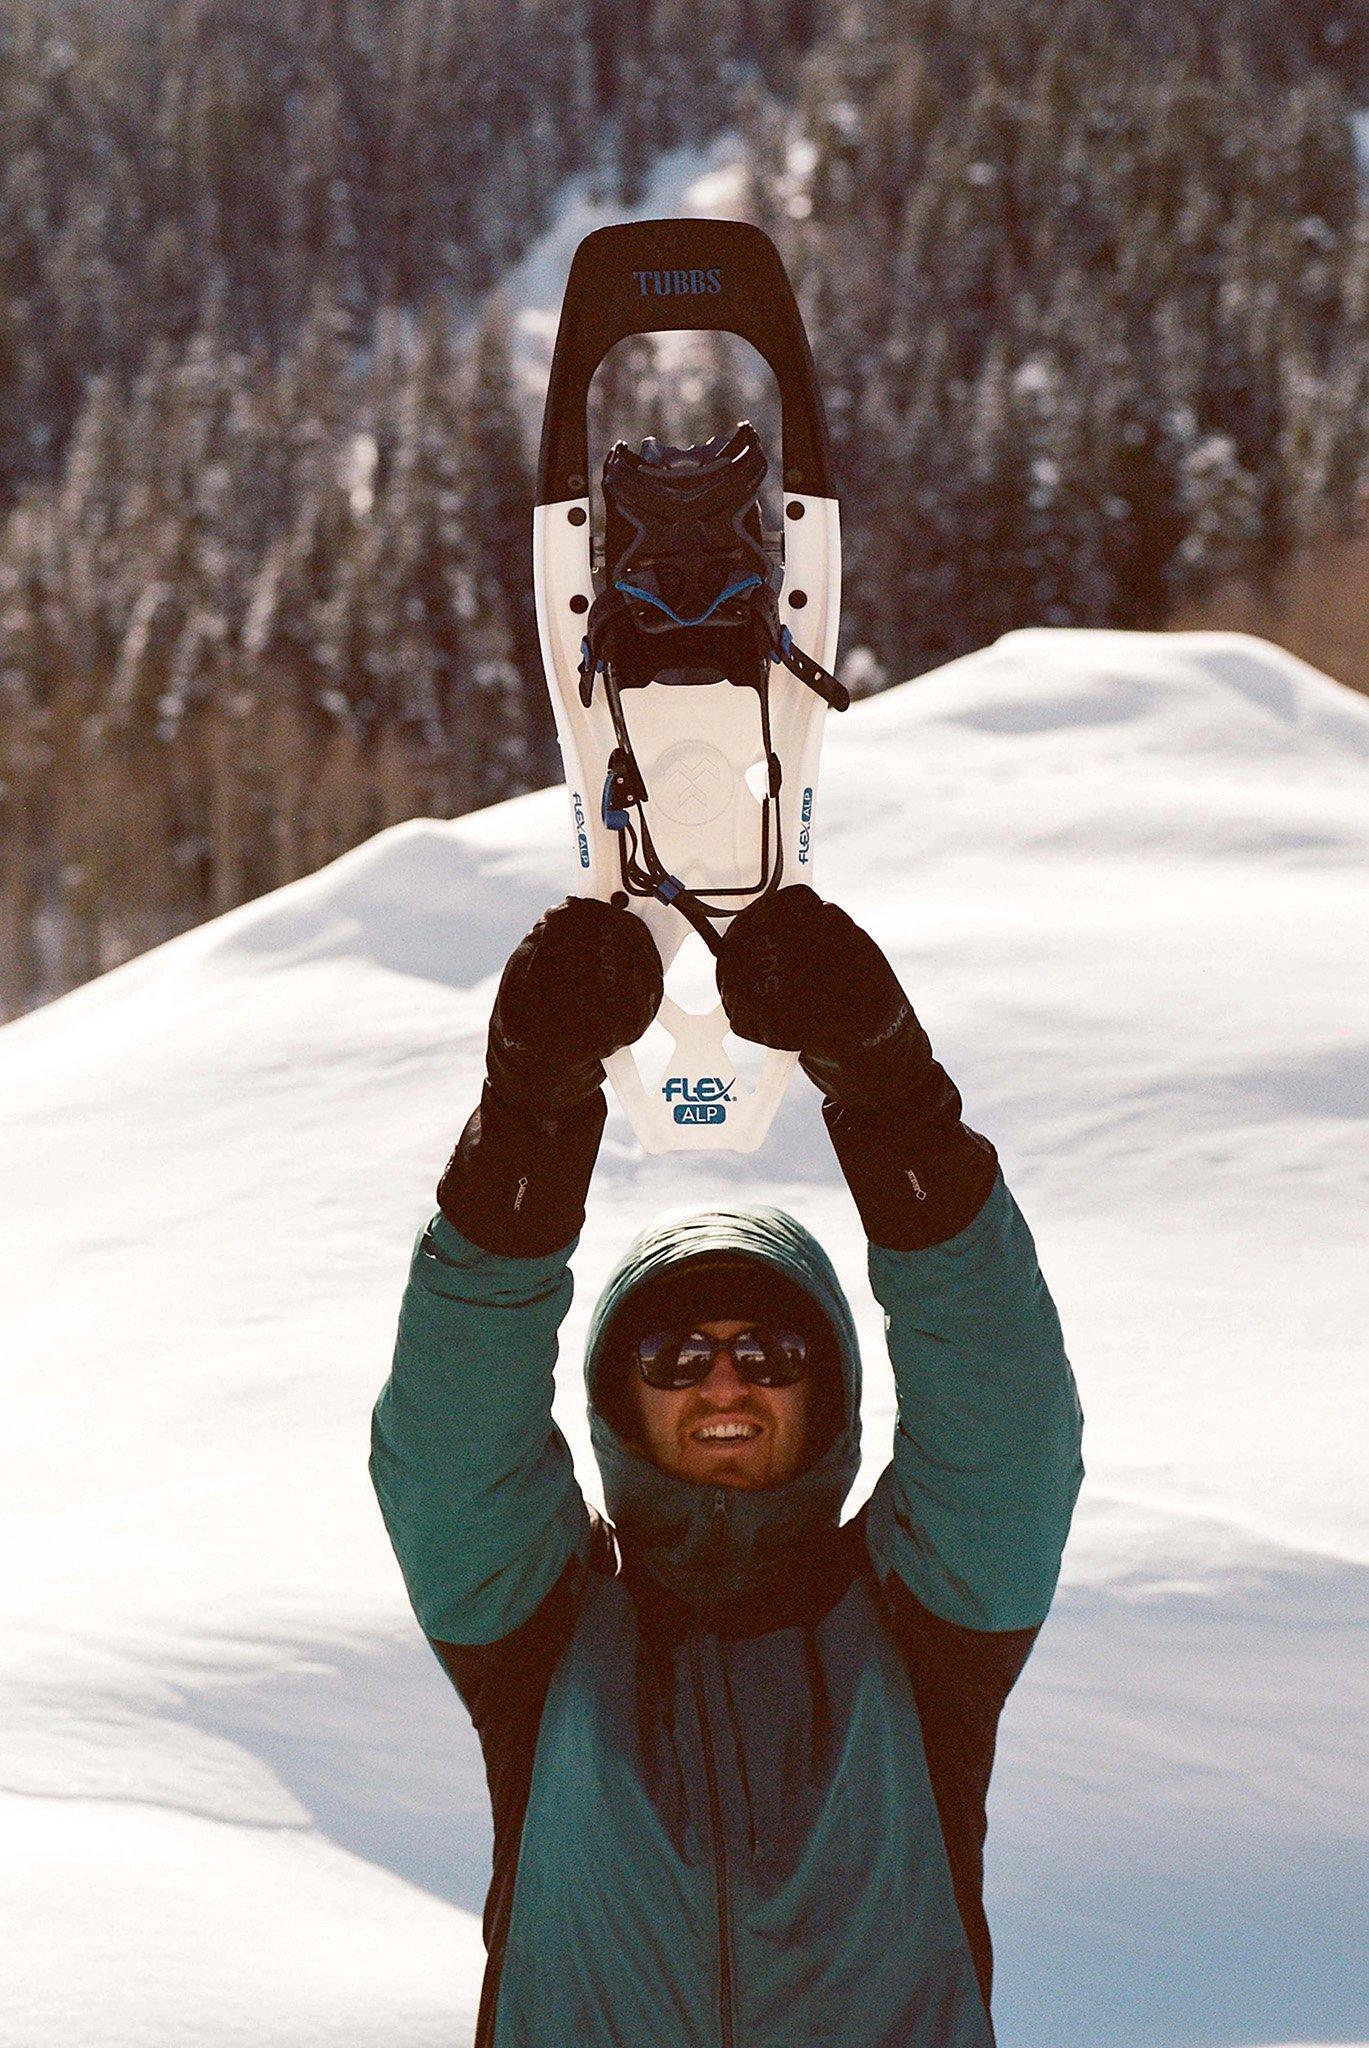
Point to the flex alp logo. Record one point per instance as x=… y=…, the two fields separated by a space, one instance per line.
x=581 y=836
x=699 y=1102
x=676 y=284
x=805 y=828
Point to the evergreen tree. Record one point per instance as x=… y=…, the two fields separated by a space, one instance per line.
x=496 y=496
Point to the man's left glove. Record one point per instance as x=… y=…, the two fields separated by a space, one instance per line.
x=585 y=981
x=799 y=974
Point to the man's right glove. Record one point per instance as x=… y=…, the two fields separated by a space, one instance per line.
x=799 y=974
x=585 y=981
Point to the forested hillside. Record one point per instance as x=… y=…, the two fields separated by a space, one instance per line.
x=1088 y=287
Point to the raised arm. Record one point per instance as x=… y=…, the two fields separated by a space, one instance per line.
x=474 y=1481
x=973 y=1511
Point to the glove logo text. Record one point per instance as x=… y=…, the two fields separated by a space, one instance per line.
x=698 y=1102
x=805 y=827
x=580 y=835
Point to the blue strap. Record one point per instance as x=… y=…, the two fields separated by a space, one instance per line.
x=649 y=597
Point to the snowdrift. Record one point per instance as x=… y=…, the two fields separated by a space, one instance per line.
x=1123 y=877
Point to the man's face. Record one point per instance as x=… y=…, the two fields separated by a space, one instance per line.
x=679 y=1426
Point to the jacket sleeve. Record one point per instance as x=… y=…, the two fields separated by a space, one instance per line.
x=474 y=1480
x=972 y=1513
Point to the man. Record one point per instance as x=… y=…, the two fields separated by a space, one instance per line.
x=737 y=1754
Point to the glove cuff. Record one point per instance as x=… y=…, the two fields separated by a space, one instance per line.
x=517 y=1187
x=917 y=1174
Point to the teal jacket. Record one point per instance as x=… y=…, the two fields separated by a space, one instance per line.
x=738 y=1752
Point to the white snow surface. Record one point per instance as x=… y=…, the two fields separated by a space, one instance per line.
x=1124 y=879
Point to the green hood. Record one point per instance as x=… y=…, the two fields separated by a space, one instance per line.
x=712 y=1543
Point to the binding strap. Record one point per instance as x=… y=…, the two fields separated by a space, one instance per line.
x=773 y=642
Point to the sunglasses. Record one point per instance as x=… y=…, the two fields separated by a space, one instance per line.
x=674 y=1359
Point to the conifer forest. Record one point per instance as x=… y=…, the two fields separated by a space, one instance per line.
x=1087 y=283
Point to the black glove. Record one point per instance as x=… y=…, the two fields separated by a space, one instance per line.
x=799 y=974
x=585 y=981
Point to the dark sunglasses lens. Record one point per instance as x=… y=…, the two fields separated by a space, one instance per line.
x=773 y=1359
x=694 y=1357
x=673 y=1360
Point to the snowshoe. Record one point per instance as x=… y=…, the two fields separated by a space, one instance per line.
x=690 y=678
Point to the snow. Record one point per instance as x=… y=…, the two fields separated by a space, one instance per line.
x=1123 y=877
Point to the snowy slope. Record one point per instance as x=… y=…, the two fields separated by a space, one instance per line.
x=1124 y=878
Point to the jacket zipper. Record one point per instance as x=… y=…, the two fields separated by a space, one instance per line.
x=719 y=1847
